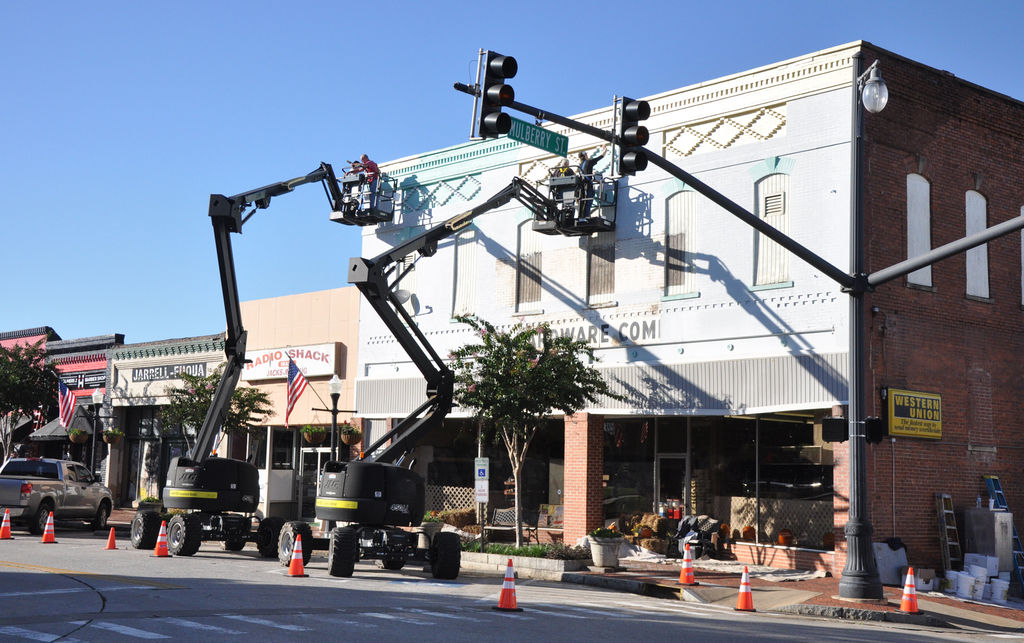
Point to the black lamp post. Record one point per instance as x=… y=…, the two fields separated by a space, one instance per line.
x=860 y=575
x=97 y=402
x=335 y=387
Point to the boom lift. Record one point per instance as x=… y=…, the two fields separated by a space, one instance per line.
x=374 y=495
x=220 y=494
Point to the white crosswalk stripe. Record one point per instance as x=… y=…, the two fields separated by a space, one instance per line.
x=21 y=632
x=206 y=627
x=127 y=631
x=266 y=623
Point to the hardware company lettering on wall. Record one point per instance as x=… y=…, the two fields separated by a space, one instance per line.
x=609 y=334
x=168 y=372
x=272 y=363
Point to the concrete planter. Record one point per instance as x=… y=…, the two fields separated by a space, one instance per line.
x=524 y=566
x=605 y=551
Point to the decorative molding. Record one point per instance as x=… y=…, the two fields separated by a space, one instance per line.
x=721 y=133
x=198 y=345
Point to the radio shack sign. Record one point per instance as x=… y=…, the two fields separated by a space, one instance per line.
x=272 y=363
x=915 y=415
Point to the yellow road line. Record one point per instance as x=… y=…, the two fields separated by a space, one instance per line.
x=130 y=580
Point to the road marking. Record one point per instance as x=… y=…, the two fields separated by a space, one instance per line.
x=10 y=630
x=400 y=619
x=73 y=572
x=441 y=615
x=201 y=626
x=127 y=631
x=264 y=622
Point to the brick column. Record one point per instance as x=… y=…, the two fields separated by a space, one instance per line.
x=584 y=471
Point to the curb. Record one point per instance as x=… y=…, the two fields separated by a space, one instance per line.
x=857 y=614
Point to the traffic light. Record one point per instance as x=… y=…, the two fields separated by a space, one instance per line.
x=633 y=136
x=835 y=429
x=875 y=429
x=494 y=94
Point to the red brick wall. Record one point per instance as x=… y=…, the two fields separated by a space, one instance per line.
x=959 y=137
x=584 y=468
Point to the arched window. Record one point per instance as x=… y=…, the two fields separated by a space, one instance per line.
x=919 y=236
x=680 y=243
x=977 y=258
x=771 y=203
x=464 y=296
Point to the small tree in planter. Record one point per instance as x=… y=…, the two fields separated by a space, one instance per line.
x=349 y=433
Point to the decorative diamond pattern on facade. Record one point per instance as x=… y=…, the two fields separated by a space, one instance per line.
x=421 y=197
x=536 y=170
x=728 y=131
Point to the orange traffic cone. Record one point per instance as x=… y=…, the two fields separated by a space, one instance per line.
x=48 y=536
x=5 y=528
x=160 y=551
x=295 y=568
x=686 y=573
x=110 y=540
x=745 y=601
x=909 y=603
x=507 y=600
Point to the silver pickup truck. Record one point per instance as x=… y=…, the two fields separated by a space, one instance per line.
x=33 y=487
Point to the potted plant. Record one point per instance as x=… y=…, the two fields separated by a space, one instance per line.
x=314 y=434
x=431 y=524
x=349 y=433
x=78 y=436
x=112 y=436
x=604 y=546
x=149 y=503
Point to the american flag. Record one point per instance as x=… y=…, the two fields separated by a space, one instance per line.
x=297 y=383
x=66 y=402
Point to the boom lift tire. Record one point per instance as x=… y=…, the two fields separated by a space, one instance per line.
x=267 y=534
x=286 y=542
x=342 y=552
x=184 y=534
x=145 y=528
x=446 y=559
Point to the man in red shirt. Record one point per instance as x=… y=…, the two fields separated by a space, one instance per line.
x=370 y=173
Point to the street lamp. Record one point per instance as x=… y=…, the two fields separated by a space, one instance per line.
x=335 y=387
x=97 y=402
x=860 y=575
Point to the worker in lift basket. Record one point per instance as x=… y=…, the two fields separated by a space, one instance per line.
x=371 y=174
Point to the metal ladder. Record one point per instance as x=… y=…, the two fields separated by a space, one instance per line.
x=949 y=537
x=995 y=492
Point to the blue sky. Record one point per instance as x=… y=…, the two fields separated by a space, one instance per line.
x=121 y=118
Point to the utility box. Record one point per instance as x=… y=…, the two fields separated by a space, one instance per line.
x=990 y=533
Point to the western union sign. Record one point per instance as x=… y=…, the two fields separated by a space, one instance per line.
x=185 y=493
x=915 y=415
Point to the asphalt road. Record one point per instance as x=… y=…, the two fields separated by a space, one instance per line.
x=76 y=590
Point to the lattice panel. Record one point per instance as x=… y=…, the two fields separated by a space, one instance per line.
x=444 y=498
x=809 y=520
x=723 y=133
x=421 y=197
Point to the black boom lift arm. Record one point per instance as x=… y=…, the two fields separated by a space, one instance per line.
x=373 y=278
x=226 y=214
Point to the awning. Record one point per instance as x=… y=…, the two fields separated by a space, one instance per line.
x=22 y=430
x=52 y=430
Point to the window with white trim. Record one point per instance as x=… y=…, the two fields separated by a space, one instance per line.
x=601 y=268
x=528 y=270
x=771 y=260
x=977 y=258
x=464 y=296
x=680 y=230
x=919 y=235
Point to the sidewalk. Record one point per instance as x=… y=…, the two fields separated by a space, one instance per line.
x=719 y=585
x=803 y=594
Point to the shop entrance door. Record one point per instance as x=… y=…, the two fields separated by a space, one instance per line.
x=311 y=463
x=670 y=478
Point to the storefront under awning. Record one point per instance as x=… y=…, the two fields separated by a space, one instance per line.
x=52 y=430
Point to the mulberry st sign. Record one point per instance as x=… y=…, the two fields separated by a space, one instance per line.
x=539 y=137
x=915 y=415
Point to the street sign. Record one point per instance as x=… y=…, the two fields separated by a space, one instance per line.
x=482 y=491
x=539 y=137
x=481 y=465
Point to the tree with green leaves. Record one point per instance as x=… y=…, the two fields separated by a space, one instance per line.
x=27 y=383
x=512 y=380
x=190 y=401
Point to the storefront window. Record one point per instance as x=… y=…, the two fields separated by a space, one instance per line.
x=628 y=467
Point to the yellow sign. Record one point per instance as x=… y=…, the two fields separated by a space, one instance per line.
x=915 y=415
x=184 y=493
x=336 y=504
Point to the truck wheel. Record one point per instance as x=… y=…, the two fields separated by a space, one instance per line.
x=99 y=521
x=286 y=541
x=447 y=555
x=145 y=529
x=38 y=523
x=184 y=534
x=267 y=535
x=393 y=564
x=342 y=552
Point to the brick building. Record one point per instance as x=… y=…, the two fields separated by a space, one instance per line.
x=728 y=350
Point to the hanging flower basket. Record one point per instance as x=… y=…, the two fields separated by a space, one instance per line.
x=78 y=436
x=112 y=437
x=350 y=434
x=314 y=437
